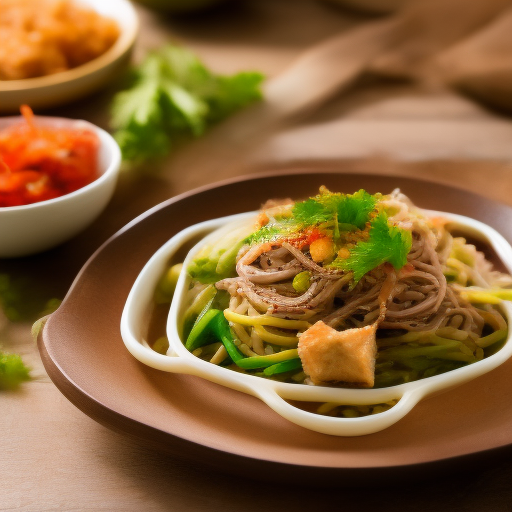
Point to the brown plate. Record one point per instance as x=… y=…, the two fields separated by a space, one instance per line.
x=84 y=355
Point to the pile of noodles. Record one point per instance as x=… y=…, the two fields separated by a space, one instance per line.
x=424 y=301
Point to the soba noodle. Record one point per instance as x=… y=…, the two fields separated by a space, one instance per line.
x=415 y=293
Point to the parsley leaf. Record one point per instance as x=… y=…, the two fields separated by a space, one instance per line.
x=12 y=371
x=231 y=93
x=311 y=212
x=174 y=95
x=386 y=243
x=350 y=210
x=356 y=208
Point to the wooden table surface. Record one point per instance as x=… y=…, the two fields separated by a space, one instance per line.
x=53 y=457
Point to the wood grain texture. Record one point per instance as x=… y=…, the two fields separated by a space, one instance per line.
x=55 y=458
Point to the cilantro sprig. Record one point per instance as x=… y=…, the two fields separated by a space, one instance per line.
x=349 y=209
x=334 y=211
x=386 y=243
x=174 y=95
x=369 y=237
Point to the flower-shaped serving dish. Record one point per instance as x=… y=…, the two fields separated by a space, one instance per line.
x=277 y=394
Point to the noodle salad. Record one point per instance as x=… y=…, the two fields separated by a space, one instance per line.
x=355 y=290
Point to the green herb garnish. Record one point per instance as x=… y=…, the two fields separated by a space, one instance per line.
x=355 y=209
x=367 y=235
x=173 y=94
x=312 y=211
x=386 y=243
x=268 y=233
x=12 y=371
x=352 y=210
x=335 y=211
x=284 y=227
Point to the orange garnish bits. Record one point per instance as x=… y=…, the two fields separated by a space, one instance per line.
x=39 y=162
x=306 y=237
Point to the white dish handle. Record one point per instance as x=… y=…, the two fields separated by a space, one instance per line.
x=340 y=426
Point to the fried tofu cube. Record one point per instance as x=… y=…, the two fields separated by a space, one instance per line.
x=329 y=355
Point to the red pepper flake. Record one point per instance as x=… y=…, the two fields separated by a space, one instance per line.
x=40 y=162
x=306 y=238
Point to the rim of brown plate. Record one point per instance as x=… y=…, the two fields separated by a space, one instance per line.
x=308 y=456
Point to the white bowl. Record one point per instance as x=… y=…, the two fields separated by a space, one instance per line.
x=273 y=393
x=61 y=88
x=33 y=228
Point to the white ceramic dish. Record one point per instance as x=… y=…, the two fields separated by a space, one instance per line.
x=33 y=228
x=60 y=88
x=275 y=394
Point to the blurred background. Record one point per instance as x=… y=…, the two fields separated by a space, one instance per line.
x=404 y=87
x=419 y=88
